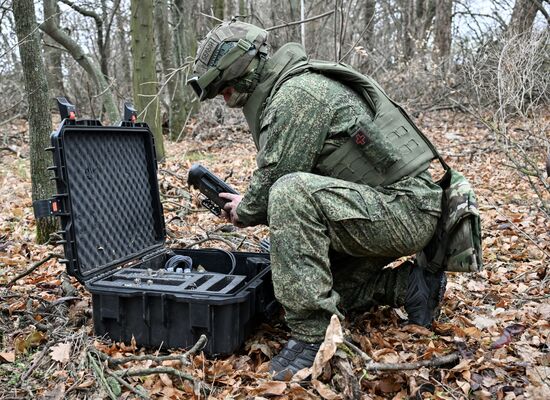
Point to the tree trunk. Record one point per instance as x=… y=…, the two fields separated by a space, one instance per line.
x=229 y=9
x=51 y=28
x=144 y=70
x=218 y=9
x=443 y=25
x=174 y=79
x=123 y=74
x=417 y=17
x=53 y=65
x=369 y=10
x=40 y=122
x=523 y=17
x=185 y=41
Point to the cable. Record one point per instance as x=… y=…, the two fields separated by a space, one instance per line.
x=176 y=261
x=232 y=258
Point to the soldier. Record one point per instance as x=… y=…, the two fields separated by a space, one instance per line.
x=342 y=182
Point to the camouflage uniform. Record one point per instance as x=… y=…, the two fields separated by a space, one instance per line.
x=330 y=238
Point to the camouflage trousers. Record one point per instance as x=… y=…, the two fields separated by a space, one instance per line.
x=330 y=241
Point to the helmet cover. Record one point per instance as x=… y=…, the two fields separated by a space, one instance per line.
x=225 y=55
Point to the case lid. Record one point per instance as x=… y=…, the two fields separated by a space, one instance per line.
x=107 y=182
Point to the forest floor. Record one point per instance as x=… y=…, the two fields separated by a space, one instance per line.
x=497 y=321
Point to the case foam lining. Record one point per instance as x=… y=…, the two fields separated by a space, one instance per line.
x=114 y=207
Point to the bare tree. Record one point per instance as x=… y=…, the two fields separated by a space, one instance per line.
x=52 y=55
x=38 y=111
x=442 y=26
x=417 y=17
x=81 y=57
x=173 y=77
x=144 y=79
x=523 y=16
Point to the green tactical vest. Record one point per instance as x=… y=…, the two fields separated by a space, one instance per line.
x=395 y=148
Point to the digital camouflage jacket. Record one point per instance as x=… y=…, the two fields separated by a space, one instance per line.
x=291 y=133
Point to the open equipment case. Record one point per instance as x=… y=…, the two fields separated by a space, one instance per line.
x=113 y=233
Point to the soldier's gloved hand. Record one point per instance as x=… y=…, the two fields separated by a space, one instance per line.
x=230 y=209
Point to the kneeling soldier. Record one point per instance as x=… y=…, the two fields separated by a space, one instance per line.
x=342 y=182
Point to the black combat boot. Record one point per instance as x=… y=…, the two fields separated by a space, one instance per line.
x=424 y=294
x=295 y=356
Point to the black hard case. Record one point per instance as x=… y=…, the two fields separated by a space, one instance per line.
x=113 y=235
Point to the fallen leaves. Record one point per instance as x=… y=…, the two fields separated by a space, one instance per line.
x=7 y=356
x=507 y=334
x=61 y=352
x=32 y=340
x=333 y=337
x=498 y=360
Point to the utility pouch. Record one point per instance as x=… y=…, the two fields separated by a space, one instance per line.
x=456 y=245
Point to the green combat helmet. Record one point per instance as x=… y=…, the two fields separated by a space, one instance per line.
x=232 y=54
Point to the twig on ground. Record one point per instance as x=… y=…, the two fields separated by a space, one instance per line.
x=165 y=171
x=208 y=238
x=152 y=371
x=158 y=359
x=35 y=363
x=434 y=362
x=138 y=391
x=11 y=150
x=360 y=352
x=99 y=373
x=33 y=267
x=7 y=121
x=447 y=388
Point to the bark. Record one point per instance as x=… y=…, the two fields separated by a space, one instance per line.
x=38 y=113
x=123 y=74
x=144 y=78
x=174 y=79
x=230 y=9
x=84 y=60
x=523 y=16
x=103 y=56
x=443 y=24
x=369 y=10
x=417 y=18
x=219 y=9
x=185 y=40
x=54 y=65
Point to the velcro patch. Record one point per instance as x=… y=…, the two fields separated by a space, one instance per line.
x=207 y=50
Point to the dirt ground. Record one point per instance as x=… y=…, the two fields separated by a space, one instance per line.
x=494 y=323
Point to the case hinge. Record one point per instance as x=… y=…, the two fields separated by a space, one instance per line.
x=47 y=208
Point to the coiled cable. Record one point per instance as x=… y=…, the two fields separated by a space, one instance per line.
x=175 y=262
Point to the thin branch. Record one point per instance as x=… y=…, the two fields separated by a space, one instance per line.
x=434 y=362
x=361 y=353
x=33 y=267
x=152 y=371
x=300 y=22
x=358 y=39
x=543 y=11
x=158 y=359
x=83 y=11
x=135 y=390
x=7 y=121
x=214 y=238
x=211 y=16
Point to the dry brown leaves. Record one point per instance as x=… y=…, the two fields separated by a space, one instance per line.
x=498 y=320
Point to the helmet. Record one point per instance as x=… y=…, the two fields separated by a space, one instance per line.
x=225 y=55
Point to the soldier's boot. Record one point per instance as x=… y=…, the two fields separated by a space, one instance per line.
x=296 y=355
x=424 y=295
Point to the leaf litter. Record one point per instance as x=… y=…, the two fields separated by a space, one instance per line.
x=497 y=321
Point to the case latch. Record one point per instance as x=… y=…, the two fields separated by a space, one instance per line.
x=46 y=208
